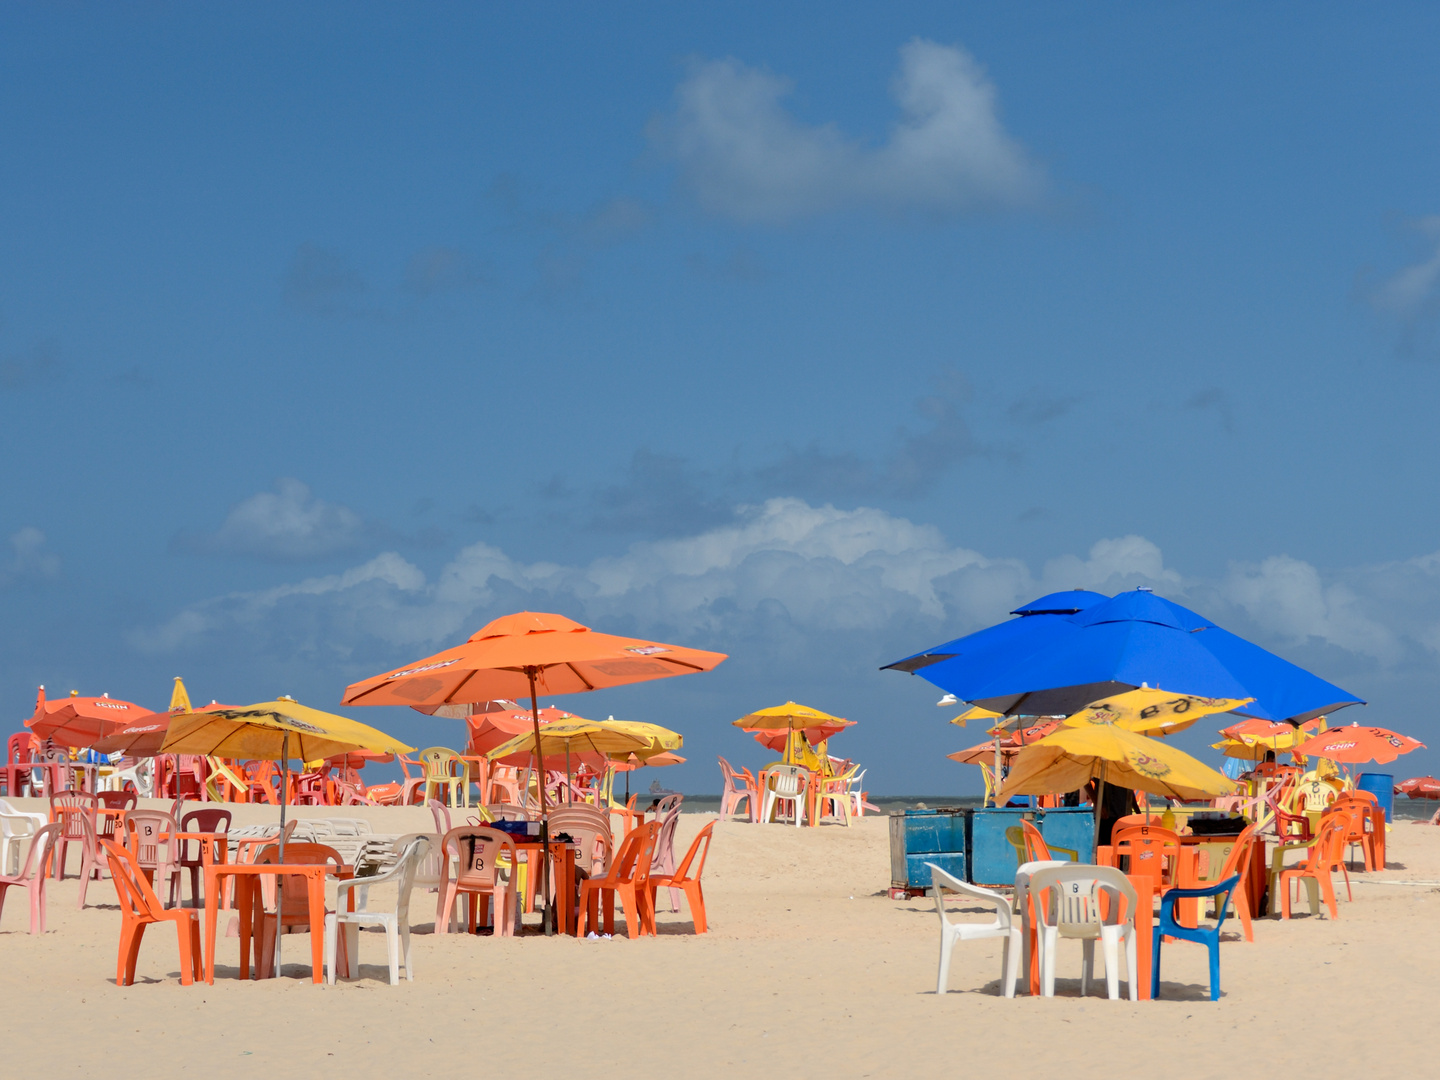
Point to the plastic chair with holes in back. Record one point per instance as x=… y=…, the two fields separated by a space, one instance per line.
x=158 y=860
x=440 y=765
x=1326 y=855
x=32 y=877
x=1006 y=927
x=1068 y=904
x=1209 y=936
x=835 y=791
x=108 y=825
x=484 y=860
x=629 y=879
x=202 y=821
x=68 y=808
x=139 y=908
x=395 y=923
x=738 y=788
x=785 y=783
x=683 y=877
x=1151 y=849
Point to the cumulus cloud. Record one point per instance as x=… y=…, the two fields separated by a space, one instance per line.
x=745 y=156
x=30 y=557
x=1411 y=296
x=287 y=524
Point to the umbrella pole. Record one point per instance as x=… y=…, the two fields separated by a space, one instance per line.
x=1099 y=798
x=996 y=795
x=569 y=791
x=280 y=878
x=544 y=823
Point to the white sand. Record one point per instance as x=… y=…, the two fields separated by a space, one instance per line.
x=808 y=970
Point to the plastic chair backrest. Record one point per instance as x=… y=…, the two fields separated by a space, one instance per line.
x=210 y=819
x=118 y=800
x=68 y=808
x=1068 y=898
x=667 y=804
x=788 y=781
x=683 y=872
x=508 y=812
x=1314 y=794
x=665 y=839
x=592 y=834
x=437 y=761
x=295 y=901
x=1035 y=849
x=481 y=852
x=645 y=853
x=137 y=897
x=1152 y=850
x=144 y=828
x=17 y=749
x=1239 y=857
x=40 y=844
x=441 y=813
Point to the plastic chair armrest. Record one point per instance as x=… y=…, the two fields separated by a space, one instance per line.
x=1074 y=855
x=1216 y=889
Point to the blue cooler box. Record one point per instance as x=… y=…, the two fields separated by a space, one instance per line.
x=992 y=857
x=917 y=837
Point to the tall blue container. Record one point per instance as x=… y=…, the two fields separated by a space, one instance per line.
x=1070 y=827
x=918 y=837
x=992 y=856
x=1382 y=786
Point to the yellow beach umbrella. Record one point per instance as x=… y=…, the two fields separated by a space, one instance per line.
x=975 y=712
x=1065 y=760
x=1148 y=711
x=661 y=738
x=790 y=715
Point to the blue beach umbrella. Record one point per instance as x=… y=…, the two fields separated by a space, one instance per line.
x=1134 y=639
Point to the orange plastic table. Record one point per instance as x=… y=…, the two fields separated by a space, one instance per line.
x=1144 y=929
x=247 y=880
x=209 y=843
x=562 y=870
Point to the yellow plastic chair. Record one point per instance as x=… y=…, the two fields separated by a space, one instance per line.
x=440 y=772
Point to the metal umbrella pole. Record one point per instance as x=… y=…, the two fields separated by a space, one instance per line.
x=549 y=919
x=280 y=878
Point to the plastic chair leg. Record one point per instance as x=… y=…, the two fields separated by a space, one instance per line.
x=1110 y=945
x=1155 y=941
x=696 y=899
x=1214 y=947
x=392 y=945
x=947 y=945
x=1010 y=959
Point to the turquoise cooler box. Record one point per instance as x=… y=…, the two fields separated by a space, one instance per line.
x=917 y=837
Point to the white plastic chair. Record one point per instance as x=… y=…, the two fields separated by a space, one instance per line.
x=1003 y=927
x=1022 y=903
x=1067 y=904
x=396 y=923
x=857 y=793
x=785 y=783
x=16 y=828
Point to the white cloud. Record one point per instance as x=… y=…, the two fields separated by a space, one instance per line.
x=30 y=557
x=1411 y=296
x=287 y=524
x=745 y=156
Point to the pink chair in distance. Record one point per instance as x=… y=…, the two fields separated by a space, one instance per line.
x=739 y=788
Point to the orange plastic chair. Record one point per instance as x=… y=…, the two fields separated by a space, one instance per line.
x=1036 y=850
x=139 y=908
x=1152 y=850
x=629 y=879
x=32 y=875
x=487 y=869
x=1238 y=863
x=1327 y=854
x=1356 y=806
x=292 y=914
x=688 y=880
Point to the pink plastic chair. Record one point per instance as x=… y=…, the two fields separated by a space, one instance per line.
x=32 y=876
x=73 y=810
x=663 y=861
x=293 y=910
x=739 y=788
x=158 y=859
x=482 y=855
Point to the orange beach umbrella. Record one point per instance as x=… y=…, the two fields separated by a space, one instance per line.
x=1356 y=745
x=81 y=721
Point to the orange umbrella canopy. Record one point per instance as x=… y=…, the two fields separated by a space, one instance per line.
x=81 y=721
x=1355 y=745
x=778 y=738
x=501 y=660
x=1419 y=787
x=489 y=729
x=144 y=735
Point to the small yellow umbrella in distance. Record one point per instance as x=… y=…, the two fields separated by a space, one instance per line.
x=1149 y=711
x=662 y=738
x=790 y=715
x=1066 y=759
x=975 y=712
x=567 y=737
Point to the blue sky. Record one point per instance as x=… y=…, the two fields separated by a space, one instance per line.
x=816 y=336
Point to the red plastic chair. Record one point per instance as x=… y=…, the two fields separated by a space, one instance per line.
x=32 y=875
x=629 y=879
x=204 y=821
x=15 y=772
x=687 y=879
x=139 y=908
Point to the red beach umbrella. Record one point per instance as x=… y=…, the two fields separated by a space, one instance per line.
x=81 y=721
x=1356 y=745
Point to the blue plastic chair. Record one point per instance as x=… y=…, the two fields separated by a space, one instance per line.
x=1208 y=936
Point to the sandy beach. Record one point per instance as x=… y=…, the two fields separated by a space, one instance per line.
x=808 y=968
